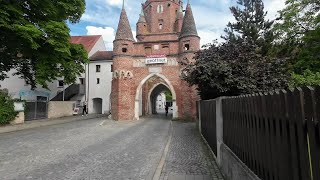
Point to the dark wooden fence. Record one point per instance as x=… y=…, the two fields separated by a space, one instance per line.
x=208 y=123
x=277 y=135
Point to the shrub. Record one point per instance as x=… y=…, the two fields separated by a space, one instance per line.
x=308 y=78
x=7 y=112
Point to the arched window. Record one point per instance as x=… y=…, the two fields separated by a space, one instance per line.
x=160 y=22
x=160 y=9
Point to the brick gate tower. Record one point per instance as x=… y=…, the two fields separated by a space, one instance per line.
x=150 y=64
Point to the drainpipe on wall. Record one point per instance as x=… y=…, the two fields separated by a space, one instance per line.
x=88 y=85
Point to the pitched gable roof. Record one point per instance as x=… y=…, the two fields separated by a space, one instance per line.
x=102 y=55
x=87 y=41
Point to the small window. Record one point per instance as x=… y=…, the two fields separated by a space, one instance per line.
x=81 y=80
x=165 y=46
x=111 y=68
x=42 y=98
x=98 y=68
x=124 y=50
x=160 y=21
x=186 y=47
x=98 y=80
x=147 y=50
x=60 y=83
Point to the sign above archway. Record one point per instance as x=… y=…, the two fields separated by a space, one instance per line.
x=156 y=59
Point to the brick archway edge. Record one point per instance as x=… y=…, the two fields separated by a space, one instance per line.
x=173 y=92
x=149 y=94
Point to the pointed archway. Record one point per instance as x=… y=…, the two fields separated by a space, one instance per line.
x=144 y=92
x=154 y=92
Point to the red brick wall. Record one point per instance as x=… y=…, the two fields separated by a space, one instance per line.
x=124 y=89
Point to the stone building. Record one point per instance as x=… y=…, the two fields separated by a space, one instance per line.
x=145 y=67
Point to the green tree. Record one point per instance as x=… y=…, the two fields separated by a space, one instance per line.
x=231 y=69
x=35 y=40
x=168 y=95
x=307 y=78
x=298 y=40
x=7 y=112
x=241 y=65
x=250 y=26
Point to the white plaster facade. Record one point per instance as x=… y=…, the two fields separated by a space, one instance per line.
x=161 y=101
x=99 y=92
x=17 y=87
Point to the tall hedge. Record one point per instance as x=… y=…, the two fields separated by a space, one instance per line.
x=7 y=112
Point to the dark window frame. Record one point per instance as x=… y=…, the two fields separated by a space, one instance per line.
x=98 y=68
x=60 y=83
x=81 y=81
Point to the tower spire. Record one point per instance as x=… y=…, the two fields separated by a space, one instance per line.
x=180 y=8
x=189 y=26
x=142 y=19
x=124 y=30
x=123 y=4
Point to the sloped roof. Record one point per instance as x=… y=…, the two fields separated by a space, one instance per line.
x=189 y=26
x=124 y=30
x=87 y=41
x=142 y=19
x=102 y=55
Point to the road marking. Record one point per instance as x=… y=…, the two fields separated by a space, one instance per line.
x=157 y=174
x=102 y=123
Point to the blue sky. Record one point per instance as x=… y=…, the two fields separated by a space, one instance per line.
x=211 y=16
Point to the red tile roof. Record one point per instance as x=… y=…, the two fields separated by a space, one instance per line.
x=102 y=55
x=87 y=41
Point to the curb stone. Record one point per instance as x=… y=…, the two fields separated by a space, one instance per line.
x=46 y=122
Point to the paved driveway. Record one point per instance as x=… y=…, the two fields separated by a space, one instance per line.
x=84 y=150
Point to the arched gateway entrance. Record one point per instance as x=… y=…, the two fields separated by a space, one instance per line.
x=151 y=63
x=148 y=90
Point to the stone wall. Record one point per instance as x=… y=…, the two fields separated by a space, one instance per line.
x=58 y=109
x=19 y=119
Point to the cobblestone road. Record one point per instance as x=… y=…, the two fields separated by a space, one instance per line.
x=115 y=151
x=84 y=150
x=188 y=157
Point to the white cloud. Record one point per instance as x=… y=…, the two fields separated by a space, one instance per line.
x=273 y=6
x=115 y=2
x=211 y=16
x=208 y=36
x=108 y=34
